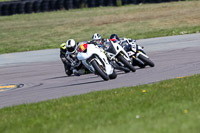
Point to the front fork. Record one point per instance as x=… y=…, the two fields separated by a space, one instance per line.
x=126 y=57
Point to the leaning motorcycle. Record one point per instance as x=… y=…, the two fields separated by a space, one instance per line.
x=136 y=52
x=94 y=59
x=118 y=56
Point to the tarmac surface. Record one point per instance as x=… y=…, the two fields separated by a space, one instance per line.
x=39 y=75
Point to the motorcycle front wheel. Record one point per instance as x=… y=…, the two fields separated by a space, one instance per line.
x=99 y=71
x=147 y=61
x=126 y=63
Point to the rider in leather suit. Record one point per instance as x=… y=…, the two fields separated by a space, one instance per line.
x=114 y=37
x=122 y=41
x=68 y=55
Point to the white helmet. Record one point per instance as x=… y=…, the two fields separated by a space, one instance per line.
x=71 y=45
x=96 y=36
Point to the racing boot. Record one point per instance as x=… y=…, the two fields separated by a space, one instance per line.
x=83 y=71
x=75 y=72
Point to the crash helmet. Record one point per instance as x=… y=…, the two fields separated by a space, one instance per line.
x=63 y=46
x=97 y=38
x=114 y=36
x=71 y=46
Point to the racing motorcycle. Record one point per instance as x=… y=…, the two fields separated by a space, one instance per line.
x=94 y=59
x=118 y=56
x=136 y=52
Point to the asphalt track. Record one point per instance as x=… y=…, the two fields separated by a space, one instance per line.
x=42 y=72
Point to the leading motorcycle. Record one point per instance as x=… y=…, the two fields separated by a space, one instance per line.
x=94 y=59
x=136 y=52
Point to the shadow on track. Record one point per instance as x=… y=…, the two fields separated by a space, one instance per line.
x=77 y=84
x=60 y=77
x=57 y=77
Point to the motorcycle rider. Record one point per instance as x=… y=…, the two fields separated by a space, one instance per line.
x=69 y=58
x=123 y=41
x=97 y=40
x=63 y=58
x=114 y=37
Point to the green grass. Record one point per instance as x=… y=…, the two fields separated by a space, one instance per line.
x=170 y=106
x=27 y=32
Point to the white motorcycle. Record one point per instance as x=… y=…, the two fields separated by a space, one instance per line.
x=118 y=56
x=94 y=59
x=136 y=52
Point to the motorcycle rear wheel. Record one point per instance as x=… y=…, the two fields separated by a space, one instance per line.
x=99 y=71
x=113 y=75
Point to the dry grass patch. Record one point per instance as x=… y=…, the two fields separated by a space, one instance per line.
x=48 y=30
x=162 y=15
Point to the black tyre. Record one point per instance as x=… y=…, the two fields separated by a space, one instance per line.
x=134 y=1
x=147 y=61
x=77 y=3
x=36 y=6
x=0 y=9
x=91 y=3
x=5 y=9
x=12 y=8
x=126 y=63
x=68 y=4
x=20 y=8
x=52 y=5
x=124 y=2
x=59 y=4
x=113 y=75
x=28 y=7
x=125 y=69
x=142 y=66
x=100 y=3
x=99 y=71
x=137 y=63
x=110 y=2
x=44 y=5
x=119 y=67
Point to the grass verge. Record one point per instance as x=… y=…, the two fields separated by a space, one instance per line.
x=47 y=30
x=163 y=107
